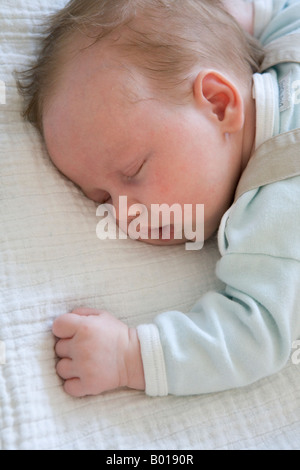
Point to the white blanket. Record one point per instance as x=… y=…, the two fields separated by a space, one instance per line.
x=51 y=262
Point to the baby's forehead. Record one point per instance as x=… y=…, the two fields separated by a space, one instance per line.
x=86 y=63
x=94 y=91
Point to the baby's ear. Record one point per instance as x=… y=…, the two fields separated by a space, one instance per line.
x=221 y=99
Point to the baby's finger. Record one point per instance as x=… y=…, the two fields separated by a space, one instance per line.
x=74 y=387
x=66 y=325
x=64 y=368
x=62 y=348
x=87 y=312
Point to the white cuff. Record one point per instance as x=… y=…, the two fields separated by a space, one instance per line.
x=153 y=361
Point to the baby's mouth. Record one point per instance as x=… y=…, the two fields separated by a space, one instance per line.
x=157 y=233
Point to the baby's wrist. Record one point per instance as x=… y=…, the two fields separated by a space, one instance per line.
x=134 y=363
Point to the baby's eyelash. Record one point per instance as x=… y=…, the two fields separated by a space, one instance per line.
x=136 y=173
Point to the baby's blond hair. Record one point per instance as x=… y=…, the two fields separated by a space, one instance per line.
x=165 y=39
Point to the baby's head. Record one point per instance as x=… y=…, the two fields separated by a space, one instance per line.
x=148 y=99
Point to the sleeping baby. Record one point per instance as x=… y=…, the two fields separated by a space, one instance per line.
x=176 y=103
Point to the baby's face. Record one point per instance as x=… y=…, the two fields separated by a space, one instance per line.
x=107 y=132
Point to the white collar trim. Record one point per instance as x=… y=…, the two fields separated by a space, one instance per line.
x=264 y=93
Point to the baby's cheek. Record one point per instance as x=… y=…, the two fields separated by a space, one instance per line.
x=166 y=191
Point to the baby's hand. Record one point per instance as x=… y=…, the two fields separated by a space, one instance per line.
x=97 y=353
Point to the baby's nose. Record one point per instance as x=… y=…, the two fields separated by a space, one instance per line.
x=127 y=211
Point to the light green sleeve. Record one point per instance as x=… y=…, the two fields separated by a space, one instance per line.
x=235 y=337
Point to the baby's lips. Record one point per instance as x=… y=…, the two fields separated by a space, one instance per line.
x=157 y=233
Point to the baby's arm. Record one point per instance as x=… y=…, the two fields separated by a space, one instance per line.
x=243 y=12
x=97 y=353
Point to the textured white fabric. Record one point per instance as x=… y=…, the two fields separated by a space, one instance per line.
x=51 y=262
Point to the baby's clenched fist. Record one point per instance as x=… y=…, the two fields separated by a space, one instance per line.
x=97 y=353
